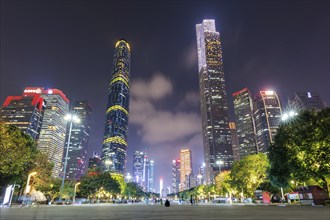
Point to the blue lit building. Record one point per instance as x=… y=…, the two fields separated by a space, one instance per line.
x=116 y=121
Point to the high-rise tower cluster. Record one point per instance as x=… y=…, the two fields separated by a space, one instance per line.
x=257 y=120
x=143 y=171
x=40 y=113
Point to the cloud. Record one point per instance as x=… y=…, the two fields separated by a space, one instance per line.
x=157 y=126
x=191 y=99
x=190 y=58
x=170 y=127
x=155 y=89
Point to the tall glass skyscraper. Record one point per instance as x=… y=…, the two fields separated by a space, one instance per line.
x=214 y=107
x=185 y=168
x=267 y=116
x=243 y=105
x=138 y=166
x=234 y=141
x=52 y=134
x=78 y=144
x=150 y=176
x=116 y=121
x=175 y=175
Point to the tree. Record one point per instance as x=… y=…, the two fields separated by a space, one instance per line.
x=248 y=173
x=120 y=179
x=133 y=190
x=301 y=150
x=223 y=182
x=88 y=184
x=17 y=154
x=43 y=179
x=108 y=183
x=96 y=182
x=52 y=189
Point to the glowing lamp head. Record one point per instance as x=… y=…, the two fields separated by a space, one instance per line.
x=76 y=119
x=285 y=116
x=68 y=117
x=50 y=91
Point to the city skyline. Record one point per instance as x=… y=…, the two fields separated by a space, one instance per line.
x=78 y=61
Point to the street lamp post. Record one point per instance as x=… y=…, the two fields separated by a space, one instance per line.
x=199 y=176
x=75 y=190
x=72 y=119
x=219 y=162
x=286 y=117
x=128 y=177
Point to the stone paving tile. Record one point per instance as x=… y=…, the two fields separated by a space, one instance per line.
x=157 y=212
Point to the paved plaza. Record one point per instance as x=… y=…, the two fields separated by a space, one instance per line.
x=175 y=212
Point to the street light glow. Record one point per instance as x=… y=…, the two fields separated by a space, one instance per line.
x=219 y=162
x=290 y=115
x=68 y=117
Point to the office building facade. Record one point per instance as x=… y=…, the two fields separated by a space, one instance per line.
x=267 y=116
x=243 y=106
x=138 y=166
x=116 y=123
x=175 y=175
x=234 y=140
x=150 y=176
x=26 y=112
x=78 y=143
x=214 y=107
x=53 y=129
x=185 y=168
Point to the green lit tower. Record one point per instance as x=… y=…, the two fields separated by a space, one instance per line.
x=116 y=120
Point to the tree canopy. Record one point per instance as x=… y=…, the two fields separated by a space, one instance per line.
x=248 y=173
x=133 y=190
x=17 y=154
x=301 y=149
x=96 y=181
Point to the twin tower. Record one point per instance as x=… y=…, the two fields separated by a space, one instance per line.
x=214 y=106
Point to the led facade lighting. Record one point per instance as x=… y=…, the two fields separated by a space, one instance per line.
x=116 y=122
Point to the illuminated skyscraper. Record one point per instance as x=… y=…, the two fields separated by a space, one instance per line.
x=234 y=140
x=150 y=176
x=243 y=105
x=77 y=156
x=52 y=134
x=175 y=175
x=116 y=122
x=138 y=166
x=267 y=116
x=214 y=107
x=306 y=101
x=25 y=112
x=185 y=168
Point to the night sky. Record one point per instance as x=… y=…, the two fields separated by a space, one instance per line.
x=282 y=46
